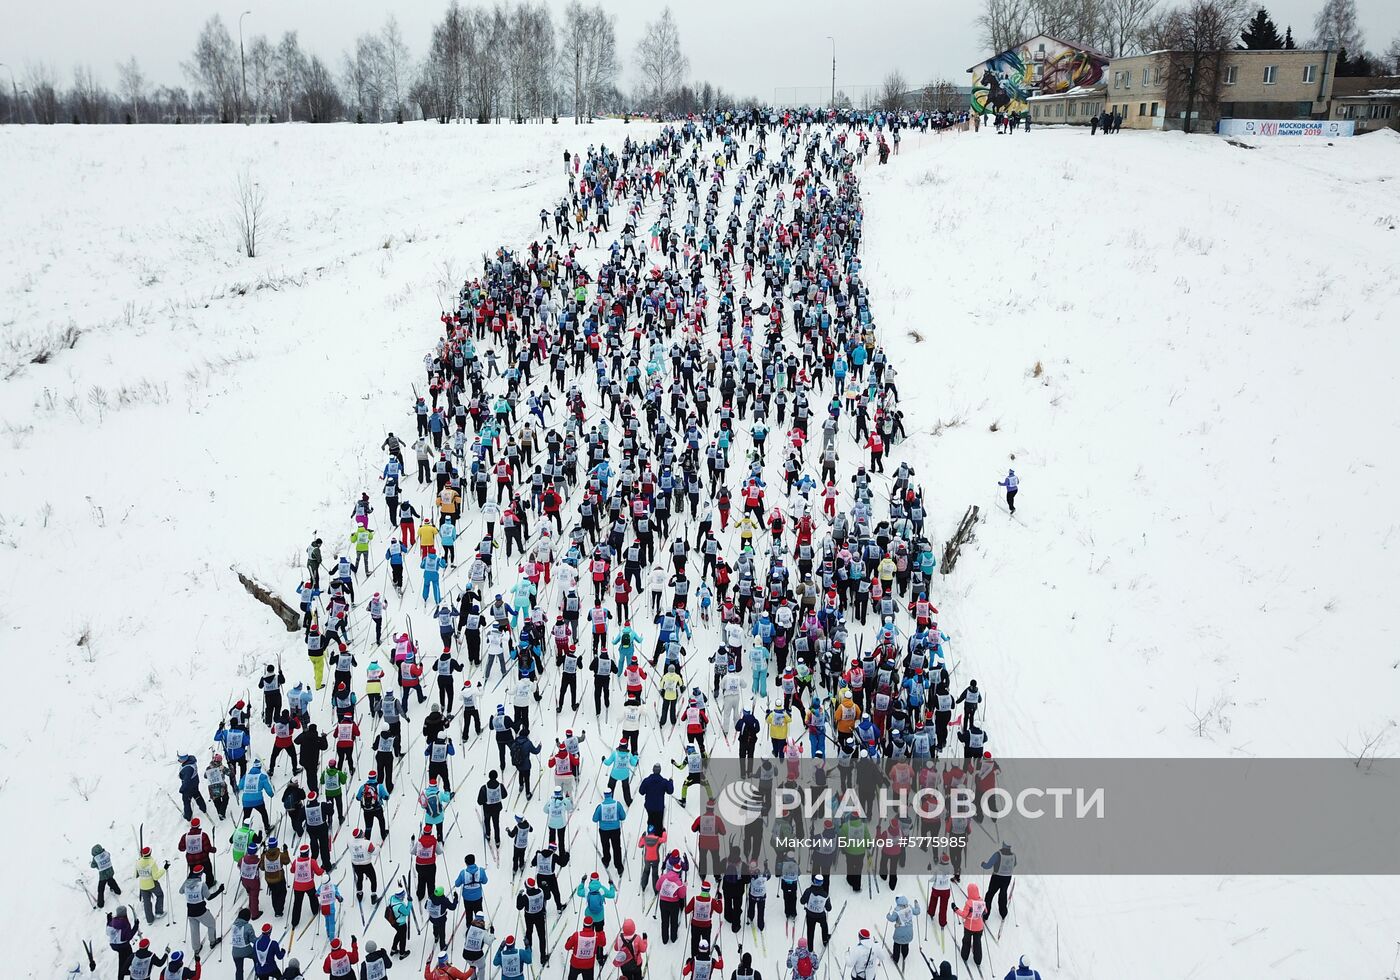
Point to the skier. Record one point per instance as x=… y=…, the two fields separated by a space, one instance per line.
x=864 y=959
x=1002 y=865
x=972 y=915
x=1012 y=483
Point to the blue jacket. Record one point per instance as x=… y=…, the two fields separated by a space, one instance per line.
x=469 y=881
x=610 y=813
x=234 y=741
x=266 y=952
x=654 y=789
x=256 y=785
x=594 y=892
x=623 y=764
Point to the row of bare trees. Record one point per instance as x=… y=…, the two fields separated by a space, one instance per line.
x=483 y=63
x=1110 y=26
x=1120 y=27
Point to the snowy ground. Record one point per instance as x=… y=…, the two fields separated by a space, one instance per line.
x=1189 y=350
x=1202 y=457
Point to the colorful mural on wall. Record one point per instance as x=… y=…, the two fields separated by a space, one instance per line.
x=1005 y=82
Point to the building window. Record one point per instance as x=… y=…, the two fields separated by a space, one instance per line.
x=1270 y=74
x=1071 y=110
x=1378 y=112
x=1146 y=72
x=1231 y=74
x=1142 y=109
x=1154 y=109
x=1348 y=112
x=1310 y=73
x=1060 y=109
x=1157 y=75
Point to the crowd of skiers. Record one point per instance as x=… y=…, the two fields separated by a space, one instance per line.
x=650 y=477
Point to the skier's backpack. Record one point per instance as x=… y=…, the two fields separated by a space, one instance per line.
x=804 y=966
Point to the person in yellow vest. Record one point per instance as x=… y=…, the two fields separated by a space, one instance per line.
x=449 y=500
x=778 y=722
x=671 y=684
x=360 y=538
x=746 y=527
x=427 y=537
x=886 y=570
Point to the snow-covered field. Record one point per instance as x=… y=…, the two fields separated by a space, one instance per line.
x=1203 y=449
x=1189 y=349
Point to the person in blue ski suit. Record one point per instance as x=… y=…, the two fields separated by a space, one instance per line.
x=594 y=893
x=1011 y=483
x=431 y=564
x=256 y=791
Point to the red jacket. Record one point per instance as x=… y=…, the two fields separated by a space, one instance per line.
x=301 y=880
x=447 y=972
x=197 y=849
x=341 y=962
x=583 y=947
x=703 y=910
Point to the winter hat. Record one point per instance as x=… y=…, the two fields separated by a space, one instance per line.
x=865 y=934
x=145 y=943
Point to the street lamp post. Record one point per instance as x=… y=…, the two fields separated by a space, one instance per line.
x=833 y=70
x=242 y=65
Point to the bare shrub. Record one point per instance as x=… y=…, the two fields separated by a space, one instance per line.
x=250 y=207
x=85 y=786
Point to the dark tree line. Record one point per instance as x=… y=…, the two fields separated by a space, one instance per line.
x=506 y=61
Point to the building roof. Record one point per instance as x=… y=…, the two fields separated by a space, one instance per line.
x=1228 y=51
x=1078 y=92
x=1380 y=87
x=1069 y=44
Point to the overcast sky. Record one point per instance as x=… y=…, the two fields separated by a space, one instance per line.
x=750 y=47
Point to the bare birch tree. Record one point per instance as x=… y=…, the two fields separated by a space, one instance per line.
x=660 y=61
x=1123 y=24
x=396 y=67
x=131 y=83
x=214 y=67
x=1337 y=26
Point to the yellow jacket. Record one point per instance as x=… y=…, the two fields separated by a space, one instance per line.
x=148 y=872
x=448 y=501
x=671 y=683
x=427 y=535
